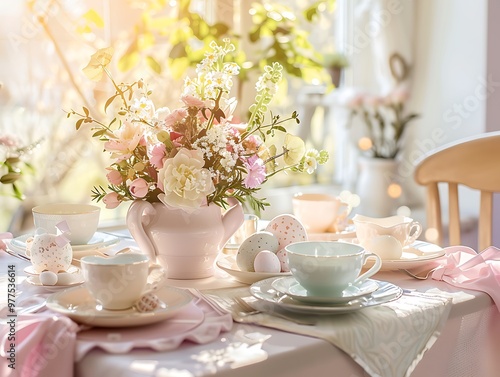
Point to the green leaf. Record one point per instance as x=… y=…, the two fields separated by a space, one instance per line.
x=99 y=133
x=109 y=102
x=86 y=111
x=79 y=123
x=153 y=64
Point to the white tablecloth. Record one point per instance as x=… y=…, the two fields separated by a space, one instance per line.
x=468 y=346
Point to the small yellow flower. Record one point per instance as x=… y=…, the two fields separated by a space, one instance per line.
x=295 y=149
x=97 y=63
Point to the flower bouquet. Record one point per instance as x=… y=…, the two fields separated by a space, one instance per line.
x=195 y=154
x=386 y=122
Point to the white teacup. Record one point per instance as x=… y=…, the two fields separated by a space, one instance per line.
x=82 y=219
x=326 y=268
x=117 y=282
x=320 y=213
x=402 y=228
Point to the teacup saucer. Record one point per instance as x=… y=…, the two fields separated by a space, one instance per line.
x=98 y=241
x=30 y=270
x=74 y=280
x=78 y=304
x=289 y=286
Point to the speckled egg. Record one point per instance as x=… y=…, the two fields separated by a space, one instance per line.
x=267 y=261
x=251 y=246
x=288 y=229
x=283 y=260
x=46 y=255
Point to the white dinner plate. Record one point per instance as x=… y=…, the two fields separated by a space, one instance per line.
x=35 y=280
x=264 y=290
x=30 y=270
x=98 y=241
x=78 y=304
x=417 y=254
x=291 y=287
x=228 y=263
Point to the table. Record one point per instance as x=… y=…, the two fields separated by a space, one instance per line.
x=468 y=346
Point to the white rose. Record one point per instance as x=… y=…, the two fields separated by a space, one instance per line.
x=184 y=181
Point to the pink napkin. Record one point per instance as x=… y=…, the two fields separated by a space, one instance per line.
x=48 y=344
x=44 y=346
x=463 y=267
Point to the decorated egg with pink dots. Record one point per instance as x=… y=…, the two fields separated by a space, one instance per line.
x=283 y=260
x=251 y=246
x=287 y=229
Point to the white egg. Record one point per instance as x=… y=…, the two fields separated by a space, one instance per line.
x=267 y=261
x=251 y=246
x=283 y=260
x=48 y=278
x=386 y=247
x=288 y=229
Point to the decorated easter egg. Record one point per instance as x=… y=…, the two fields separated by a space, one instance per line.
x=251 y=246
x=288 y=229
x=266 y=261
x=147 y=303
x=283 y=260
x=48 y=278
x=47 y=255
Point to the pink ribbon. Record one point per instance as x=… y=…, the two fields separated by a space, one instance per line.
x=463 y=267
x=62 y=229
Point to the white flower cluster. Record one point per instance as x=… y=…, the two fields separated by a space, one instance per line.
x=213 y=73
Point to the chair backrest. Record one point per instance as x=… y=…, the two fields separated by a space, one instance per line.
x=473 y=162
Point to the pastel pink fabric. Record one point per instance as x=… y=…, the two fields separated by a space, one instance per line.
x=47 y=345
x=464 y=268
x=44 y=346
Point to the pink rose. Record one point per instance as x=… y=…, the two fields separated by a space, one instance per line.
x=114 y=177
x=192 y=101
x=175 y=116
x=112 y=200
x=139 y=188
x=157 y=155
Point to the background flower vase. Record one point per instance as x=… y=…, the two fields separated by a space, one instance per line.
x=185 y=244
x=375 y=177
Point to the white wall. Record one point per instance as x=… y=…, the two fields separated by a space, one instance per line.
x=449 y=75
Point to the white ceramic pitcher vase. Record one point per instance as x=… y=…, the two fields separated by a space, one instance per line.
x=185 y=244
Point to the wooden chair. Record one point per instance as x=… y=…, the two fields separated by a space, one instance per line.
x=472 y=162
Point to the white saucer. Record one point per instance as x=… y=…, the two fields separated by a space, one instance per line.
x=291 y=287
x=264 y=290
x=79 y=305
x=98 y=241
x=228 y=263
x=35 y=280
x=30 y=270
x=417 y=254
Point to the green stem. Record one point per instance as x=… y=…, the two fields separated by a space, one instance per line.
x=118 y=90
